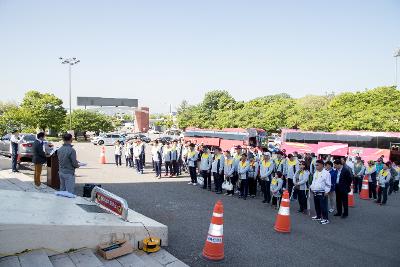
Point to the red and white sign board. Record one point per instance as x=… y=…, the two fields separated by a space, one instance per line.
x=111 y=202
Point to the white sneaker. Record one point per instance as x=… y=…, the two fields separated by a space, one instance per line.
x=324 y=221
x=194 y=184
x=315 y=218
x=190 y=183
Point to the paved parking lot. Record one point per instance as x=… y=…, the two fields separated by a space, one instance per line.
x=370 y=236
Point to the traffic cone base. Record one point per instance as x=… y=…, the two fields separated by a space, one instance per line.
x=364 y=194
x=282 y=223
x=214 y=246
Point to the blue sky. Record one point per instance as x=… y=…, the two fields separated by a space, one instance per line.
x=162 y=52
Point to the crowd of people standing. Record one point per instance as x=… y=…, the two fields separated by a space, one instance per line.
x=247 y=172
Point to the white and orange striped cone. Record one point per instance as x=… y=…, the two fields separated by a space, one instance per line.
x=351 y=197
x=364 y=194
x=282 y=223
x=103 y=155
x=214 y=246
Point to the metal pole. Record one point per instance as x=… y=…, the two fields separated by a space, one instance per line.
x=70 y=99
x=395 y=77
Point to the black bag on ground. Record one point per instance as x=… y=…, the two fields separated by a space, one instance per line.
x=87 y=189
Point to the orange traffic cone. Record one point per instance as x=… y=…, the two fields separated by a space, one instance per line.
x=364 y=194
x=214 y=246
x=103 y=155
x=351 y=197
x=282 y=223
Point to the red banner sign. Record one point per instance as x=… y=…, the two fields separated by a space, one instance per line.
x=109 y=203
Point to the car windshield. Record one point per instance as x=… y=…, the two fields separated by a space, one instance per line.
x=29 y=137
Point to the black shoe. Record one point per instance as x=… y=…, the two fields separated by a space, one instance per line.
x=264 y=201
x=16 y=171
x=244 y=198
x=218 y=193
x=344 y=216
x=337 y=214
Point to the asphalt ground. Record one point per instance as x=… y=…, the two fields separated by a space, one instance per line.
x=370 y=236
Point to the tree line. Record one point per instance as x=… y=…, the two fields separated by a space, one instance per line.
x=376 y=109
x=44 y=111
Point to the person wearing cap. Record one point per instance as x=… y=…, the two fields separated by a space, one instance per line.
x=266 y=170
x=370 y=172
x=321 y=185
x=253 y=175
x=205 y=167
x=228 y=170
x=243 y=168
x=383 y=181
x=192 y=163
x=15 y=140
x=167 y=159
x=379 y=165
x=291 y=167
x=359 y=171
x=300 y=180
x=217 y=169
x=236 y=159
x=276 y=188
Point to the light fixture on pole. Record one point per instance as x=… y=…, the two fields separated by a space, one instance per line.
x=396 y=55
x=70 y=61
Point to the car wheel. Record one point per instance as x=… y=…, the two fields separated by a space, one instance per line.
x=101 y=142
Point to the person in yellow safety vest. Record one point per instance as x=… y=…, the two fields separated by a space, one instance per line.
x=243 y=169
x=370 y=172
x=167 y=159
x=205 y=168
x=276 y=188
x=279 y=163
x=291 y=167
x=253 y=175
x=192 y=157
x=300 y=180
x=236 y=159
x=228 y=170
x=217 y=169
x=266 y=170
x=383 y=181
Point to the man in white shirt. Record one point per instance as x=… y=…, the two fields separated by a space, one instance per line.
x=321 y=185
x=14 y=145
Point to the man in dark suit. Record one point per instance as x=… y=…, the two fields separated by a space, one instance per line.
x=39 y=157
x=342 y=189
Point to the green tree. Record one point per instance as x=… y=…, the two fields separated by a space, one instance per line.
x=16 y=118
x=86 y=120
x=46 y=110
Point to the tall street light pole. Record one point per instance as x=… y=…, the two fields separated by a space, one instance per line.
x=396 y=55
x=70 y=61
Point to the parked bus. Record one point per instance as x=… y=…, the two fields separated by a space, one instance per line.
x=368 y=145
x=227 y=137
